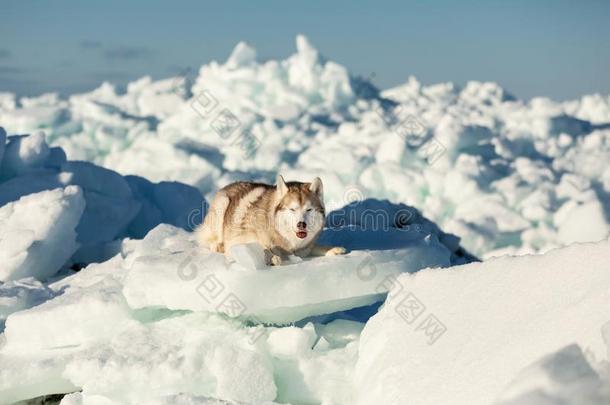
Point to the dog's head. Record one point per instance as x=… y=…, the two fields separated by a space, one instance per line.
x=299 y=211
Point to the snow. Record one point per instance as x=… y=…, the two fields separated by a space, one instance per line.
x=24 y=154
x=105 y=296
x=68 y=320
x=249 y=256
x=492 y=319
x=582 y=222
x=38 y=233
x=562 y=377
x=292 y=341
x=21 y=294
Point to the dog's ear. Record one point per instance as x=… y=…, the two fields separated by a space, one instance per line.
x=281 y=186
x=316 y=187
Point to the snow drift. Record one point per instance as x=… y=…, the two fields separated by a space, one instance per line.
x=37 y=233
x=492 y=319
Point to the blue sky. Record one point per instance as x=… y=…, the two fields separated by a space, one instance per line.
x=550 y=48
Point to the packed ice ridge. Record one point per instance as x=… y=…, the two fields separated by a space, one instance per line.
x=111 y=182
x=507 y=176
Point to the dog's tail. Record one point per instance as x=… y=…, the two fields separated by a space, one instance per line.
x=210 y=232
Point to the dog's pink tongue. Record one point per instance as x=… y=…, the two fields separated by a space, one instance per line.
x=301 y=234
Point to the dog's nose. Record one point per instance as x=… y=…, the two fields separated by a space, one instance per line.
x=301 y=225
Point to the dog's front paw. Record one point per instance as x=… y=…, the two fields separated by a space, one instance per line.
x=275 y=260
x=217 y=247
x=338 y=250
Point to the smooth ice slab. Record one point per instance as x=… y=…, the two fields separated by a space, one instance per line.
x=192 y=278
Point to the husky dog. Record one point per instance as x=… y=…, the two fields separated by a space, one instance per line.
x=285 y=219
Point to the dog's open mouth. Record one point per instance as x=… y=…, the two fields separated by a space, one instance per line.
x=301 y=234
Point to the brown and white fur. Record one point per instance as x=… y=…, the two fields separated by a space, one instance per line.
x=285 y=219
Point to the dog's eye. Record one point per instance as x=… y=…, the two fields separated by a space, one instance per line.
x=292 y=209
x=309 y=210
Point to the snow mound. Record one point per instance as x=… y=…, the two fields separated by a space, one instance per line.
x=564 y=377
x=37 y=233
x=492 y=319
